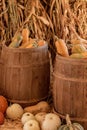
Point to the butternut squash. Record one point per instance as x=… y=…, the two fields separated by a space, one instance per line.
x=39 y=107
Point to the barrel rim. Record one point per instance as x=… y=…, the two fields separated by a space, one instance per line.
x=63 y=116
x=25 y=49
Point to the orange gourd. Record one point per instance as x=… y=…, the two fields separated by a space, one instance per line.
x=3 y=104
x=1 y=118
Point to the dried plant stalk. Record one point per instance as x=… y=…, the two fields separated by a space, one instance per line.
x=67 y=16
x=17 y=14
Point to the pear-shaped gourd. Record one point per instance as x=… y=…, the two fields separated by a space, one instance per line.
x=51 y=122
x=26 y=117
x=31 y=125
x=42 y=106
x=70 y=126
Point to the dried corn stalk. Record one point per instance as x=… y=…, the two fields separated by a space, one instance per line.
x=69 y=19
x=17 y=14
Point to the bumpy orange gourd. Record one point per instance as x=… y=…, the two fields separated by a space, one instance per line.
x=3 y=104
x=1 y=118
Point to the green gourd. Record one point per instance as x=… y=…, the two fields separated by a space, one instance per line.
x=16 y=41
x=70 y=126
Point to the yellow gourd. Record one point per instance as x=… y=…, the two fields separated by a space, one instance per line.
x=14 y=111
x=61 y=48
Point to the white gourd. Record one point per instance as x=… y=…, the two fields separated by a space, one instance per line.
x=31 y=125
x=51 y=122
x=26 y=117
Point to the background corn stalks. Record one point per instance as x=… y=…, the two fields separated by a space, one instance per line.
x=45 y=19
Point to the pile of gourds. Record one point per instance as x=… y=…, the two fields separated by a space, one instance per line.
x=22 y=40
x=75 y=49
x=36 y=117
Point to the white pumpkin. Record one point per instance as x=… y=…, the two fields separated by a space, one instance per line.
x=26 y=117
x=51 y=122
x=40 y=117
x=31 y=125
x=14 y=111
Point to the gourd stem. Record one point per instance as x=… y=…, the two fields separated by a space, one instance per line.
x=68 y=121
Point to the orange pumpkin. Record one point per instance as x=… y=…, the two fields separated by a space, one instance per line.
x=3 y=104
x=1 y=118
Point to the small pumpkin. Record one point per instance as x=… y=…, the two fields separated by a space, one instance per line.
x=26 y=117
x=14 y=111
x=70 y=126
x=31 y=125
x=3 y=104
x=40 y=117
x=1 y=118
x=42 y=106
x=51 y=122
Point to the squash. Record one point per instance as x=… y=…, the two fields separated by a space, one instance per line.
x=79 y=55
x=78 y=48
x=40 y=117
x=42 y=106
x=31 y=125
x=14 y=111
x=16 y=41
x=3 y=104
x=1 y=118
x=61 y=48
x=26 y=117
x=70 y=126
x=51 y=122
x=25 y=35
x=41 y=43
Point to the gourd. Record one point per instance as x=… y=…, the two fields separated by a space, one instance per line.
x=79 y=55
x=25 y=35
x=78 y=48
x=14 y=111
x=31 y=125
x=26 y=117
x=51 y=122
x=41 y=43
x=1 y=118
x=40 y=117
x=61 y=47
x=42 y=106
x=16 y=41
x=70 y=126
x=3 y=104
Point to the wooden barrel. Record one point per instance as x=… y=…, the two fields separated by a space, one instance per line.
x=70 y=88
x=26 y=74
x=0 y=71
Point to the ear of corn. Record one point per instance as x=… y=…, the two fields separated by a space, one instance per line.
x=61 y=47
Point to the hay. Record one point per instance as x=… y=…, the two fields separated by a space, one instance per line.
x=11 y=125
x=15 y=15
x=69 y=19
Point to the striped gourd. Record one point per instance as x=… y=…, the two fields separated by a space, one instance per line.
x=70 y=126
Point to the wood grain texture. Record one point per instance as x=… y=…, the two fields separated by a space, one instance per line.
x=70 y=88
x=26 y=74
